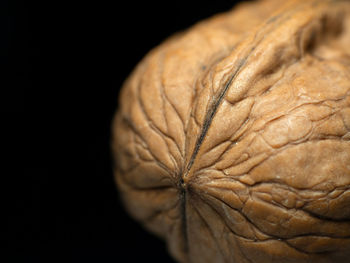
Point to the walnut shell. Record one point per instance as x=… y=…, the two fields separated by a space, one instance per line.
x=232 y=139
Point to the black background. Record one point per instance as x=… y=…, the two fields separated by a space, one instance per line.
x=77 y=55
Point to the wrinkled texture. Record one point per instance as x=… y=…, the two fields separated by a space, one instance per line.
x=232 y=139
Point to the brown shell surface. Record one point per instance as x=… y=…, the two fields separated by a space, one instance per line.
x=232 y=139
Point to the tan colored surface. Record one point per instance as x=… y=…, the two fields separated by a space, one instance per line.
x=232 y=140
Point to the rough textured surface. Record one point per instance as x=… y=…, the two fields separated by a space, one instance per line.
x=232 y=139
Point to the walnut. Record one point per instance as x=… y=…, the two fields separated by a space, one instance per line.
x=232 y=139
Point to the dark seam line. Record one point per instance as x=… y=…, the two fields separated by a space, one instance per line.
x=210 y=115
x=207 y=122
x=183 y=216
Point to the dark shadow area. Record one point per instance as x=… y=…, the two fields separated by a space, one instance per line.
x=15 y=56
